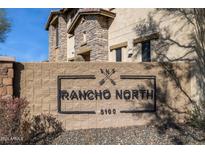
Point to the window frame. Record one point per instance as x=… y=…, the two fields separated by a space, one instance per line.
x=116 y=52
x=144 y=51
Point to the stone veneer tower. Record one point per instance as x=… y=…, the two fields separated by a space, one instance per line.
x=90 y=29
x=57 y=51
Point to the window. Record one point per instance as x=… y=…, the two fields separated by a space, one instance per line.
x=86 y=56
x=145 y=47
x=118 y=54
x=146 y=54
x=57 y=36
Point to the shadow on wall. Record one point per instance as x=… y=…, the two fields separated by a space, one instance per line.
x=172 y=90
x=167 y=113
x=18 y=68
x=189 y=28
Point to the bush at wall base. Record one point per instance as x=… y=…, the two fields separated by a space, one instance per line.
x=43 y=129
x=197 y=117
x=18 y=127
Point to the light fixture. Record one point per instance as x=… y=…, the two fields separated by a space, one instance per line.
x=130 y=52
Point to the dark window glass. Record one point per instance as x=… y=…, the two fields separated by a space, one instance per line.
x=118 y=54
x=86 y=56
x=146 y=54
x=57 y=36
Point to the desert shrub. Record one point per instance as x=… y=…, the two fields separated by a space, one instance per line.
x=17 y=126
x=43 y=129
x=13 y=117
x=197 y=118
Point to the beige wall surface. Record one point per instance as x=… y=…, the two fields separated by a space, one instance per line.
x=123 y=29
x=37 y=82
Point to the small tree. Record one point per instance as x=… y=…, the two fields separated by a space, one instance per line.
x=4 y=25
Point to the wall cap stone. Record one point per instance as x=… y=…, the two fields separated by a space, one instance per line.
x=7 y=59
x=141 y=39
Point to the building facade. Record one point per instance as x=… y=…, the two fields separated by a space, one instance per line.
x=110 y=94
x=110 y=35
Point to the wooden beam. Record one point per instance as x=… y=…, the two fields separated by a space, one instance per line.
x=153 y=36
x=120 y=45
x=83 y=50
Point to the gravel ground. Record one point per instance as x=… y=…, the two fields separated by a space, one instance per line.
x=132 y=135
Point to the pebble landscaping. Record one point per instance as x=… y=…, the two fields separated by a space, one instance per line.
x=142 y=135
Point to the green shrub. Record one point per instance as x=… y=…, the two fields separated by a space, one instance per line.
x=197 y=118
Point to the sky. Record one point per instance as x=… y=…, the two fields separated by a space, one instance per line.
x=28 y=40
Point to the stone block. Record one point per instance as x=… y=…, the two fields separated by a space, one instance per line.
x=7 y=81
x=3 y=71
x=38 y=108
x=37 y=83
x=29 y=66
x=1 y=80
x=10 y=73
x=29 y=75
x=3 y=91
x=7 y=65
x=37 y=74
x=46 y=108
x=9 y=90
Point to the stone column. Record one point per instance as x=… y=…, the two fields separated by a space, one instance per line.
x=6 y=76
x=62 y=53
x=52 y=44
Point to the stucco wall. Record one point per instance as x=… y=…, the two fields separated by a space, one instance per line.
x=123 y=29
x=37 y=82
x=123 y=26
